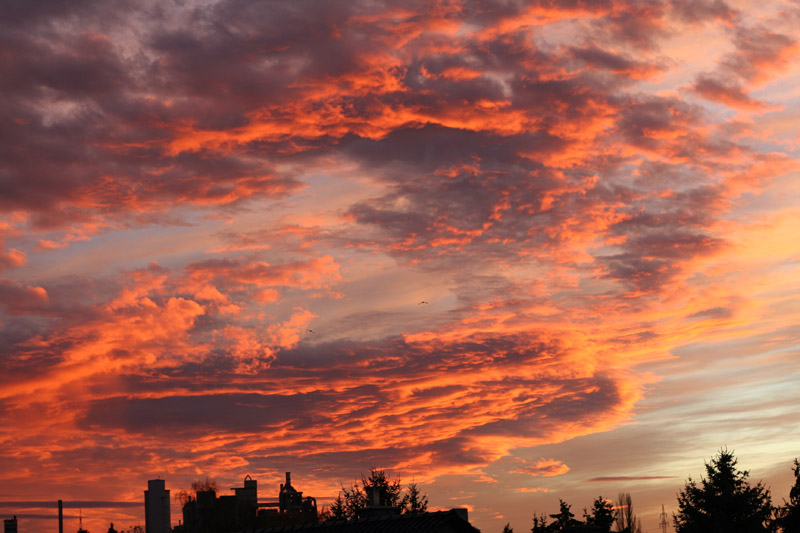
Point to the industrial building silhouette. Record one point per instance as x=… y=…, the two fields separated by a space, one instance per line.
x=209 y=513
x=10 y=525
x=241 y=512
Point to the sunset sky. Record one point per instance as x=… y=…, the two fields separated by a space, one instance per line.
x=513 y=251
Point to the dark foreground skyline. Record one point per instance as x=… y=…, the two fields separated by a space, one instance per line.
x=724 y=498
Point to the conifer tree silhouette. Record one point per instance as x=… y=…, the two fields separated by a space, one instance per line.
x=789 y=513
x=602 y=515
x=724 y=502
x=564 y=519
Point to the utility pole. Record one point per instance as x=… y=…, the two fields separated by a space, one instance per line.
x=663 y=522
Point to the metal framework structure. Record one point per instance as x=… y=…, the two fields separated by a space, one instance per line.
x=663 y=523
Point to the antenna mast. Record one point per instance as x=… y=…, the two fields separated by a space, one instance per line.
x=663 y=522
x=80 y=517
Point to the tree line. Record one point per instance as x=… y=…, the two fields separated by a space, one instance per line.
x=722 y=502
x=602 y=517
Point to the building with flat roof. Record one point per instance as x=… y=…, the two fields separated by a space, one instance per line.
x=156 y=507
x=10 y=525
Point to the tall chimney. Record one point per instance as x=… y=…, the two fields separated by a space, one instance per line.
x=60 y=516
x=374 y=496
x=288 y=478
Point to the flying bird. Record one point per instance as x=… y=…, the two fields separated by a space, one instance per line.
x=422 y=302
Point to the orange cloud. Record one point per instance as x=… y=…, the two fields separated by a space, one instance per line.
x=543 y=467
x=12 y=258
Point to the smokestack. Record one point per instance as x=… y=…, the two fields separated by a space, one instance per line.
x=60 y=516
x=374 y=496
x=288 y=478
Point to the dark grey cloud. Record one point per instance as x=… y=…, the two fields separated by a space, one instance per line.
x=639 y=23
x=68 y=504
x=596 y=57
x=713 y=313
x=21 y=299
x=201 y=414
x=703 y=10
x=627 y=478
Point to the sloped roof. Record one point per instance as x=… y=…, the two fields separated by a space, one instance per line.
x=437 y=522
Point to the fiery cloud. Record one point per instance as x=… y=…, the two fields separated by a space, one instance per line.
x=239 y=237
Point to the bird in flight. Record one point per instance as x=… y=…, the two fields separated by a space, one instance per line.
x=310 y=330
x=423 y=302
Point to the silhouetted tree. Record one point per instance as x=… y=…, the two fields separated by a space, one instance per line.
x=507 y=528
x=201 y=485
x=624 y=516
x=378 y=479
x=414 y=501
x=183 y=497
x=725 y=502
x=336 y=510
x=789 y=513
x=564 y=519
x=353 y=499
x=539 y=523
x=602 y=515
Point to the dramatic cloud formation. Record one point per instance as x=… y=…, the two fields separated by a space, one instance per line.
x=462 y=241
